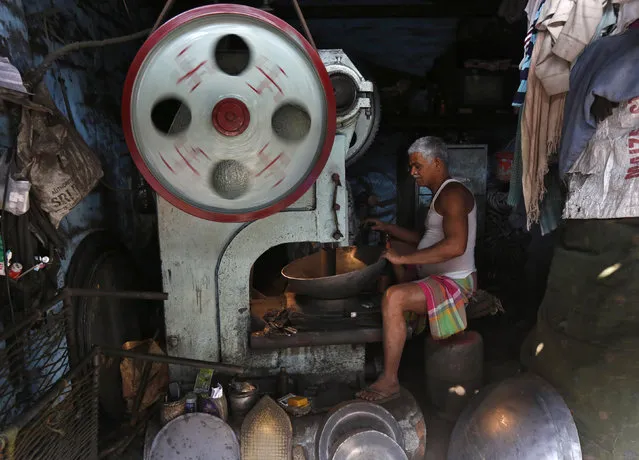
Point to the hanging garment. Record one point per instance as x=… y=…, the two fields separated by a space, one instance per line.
x=540 y=137
x=565 y=28
x=628 y=13
x=607 y=68
x=524 y=65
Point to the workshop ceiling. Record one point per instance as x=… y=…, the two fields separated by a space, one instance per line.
x=334 y=9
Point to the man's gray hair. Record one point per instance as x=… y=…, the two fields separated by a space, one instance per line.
x=430 y=147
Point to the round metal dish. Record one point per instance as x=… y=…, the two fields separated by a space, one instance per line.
x=522 y=417
x=196 y=436
x=357 y=269
x=353 y=417
x=369 y=444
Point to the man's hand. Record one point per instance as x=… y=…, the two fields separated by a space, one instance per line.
x=392 y=256
x=377 y=224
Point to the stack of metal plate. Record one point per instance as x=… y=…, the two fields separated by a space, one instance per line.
x=360 y=430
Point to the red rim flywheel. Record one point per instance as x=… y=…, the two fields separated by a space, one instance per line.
x=226 y=132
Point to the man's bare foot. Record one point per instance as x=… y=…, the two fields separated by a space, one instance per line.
x=382 y=390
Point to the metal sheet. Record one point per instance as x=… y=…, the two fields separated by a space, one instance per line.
x=522 y=417
x=352 y=417
x=196 y=436
x=357 y=269
x=369 y=444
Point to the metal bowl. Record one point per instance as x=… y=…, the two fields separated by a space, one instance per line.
x=351 y=418
x=368 y=445
x=357 y=269
x=522 y=417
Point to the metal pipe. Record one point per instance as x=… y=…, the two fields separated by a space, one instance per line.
x=300 y=16
x=199 y=364
x=165 y=9
x=140 y=295
x=80 y=292
x=307 y=339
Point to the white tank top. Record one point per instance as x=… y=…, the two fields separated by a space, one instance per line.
x=459 y=267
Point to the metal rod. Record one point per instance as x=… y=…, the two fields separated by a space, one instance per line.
x=140 y=295
x=307 y=339
x=78 y=292
x=199 y=364
x=300 y=16
x=165 y=9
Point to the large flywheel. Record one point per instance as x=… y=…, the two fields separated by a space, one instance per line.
x=229 y=113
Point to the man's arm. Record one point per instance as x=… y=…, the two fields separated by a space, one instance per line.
x=455 y=214
x=397 y=232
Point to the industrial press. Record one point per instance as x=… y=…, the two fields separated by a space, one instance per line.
x=244 y=130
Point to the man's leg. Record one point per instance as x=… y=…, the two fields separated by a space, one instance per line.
x=397 y=300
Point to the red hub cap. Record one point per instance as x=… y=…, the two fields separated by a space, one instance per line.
x=231 y=117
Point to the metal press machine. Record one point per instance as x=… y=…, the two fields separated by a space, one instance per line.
x=244 y=131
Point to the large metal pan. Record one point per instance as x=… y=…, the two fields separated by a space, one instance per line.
x=357 y=269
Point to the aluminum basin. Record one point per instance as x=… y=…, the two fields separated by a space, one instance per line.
x=357 y=269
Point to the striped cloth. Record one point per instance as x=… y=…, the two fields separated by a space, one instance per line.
x=446 y=301
x=524 y=65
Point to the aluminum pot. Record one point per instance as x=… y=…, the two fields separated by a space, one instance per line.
x=241 y=401
x=358 y=268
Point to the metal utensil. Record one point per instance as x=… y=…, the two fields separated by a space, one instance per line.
x=369 y=444
x=522 y=417
x=357 y=269
x=352 y=417
x=196 y=436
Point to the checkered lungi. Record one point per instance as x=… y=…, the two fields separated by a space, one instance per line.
x=446 y=301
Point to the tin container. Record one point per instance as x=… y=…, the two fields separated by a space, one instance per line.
x=190 y=405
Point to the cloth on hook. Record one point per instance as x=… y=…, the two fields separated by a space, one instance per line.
x=524 y=65
x=607 y=68
x=540 y=137
x=565 y=29
x=532 y=7
x=608 y=21
x=628 y=13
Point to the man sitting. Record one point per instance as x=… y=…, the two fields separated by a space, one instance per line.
x=443 y=260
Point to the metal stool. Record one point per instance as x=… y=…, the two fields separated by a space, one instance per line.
x=454 y=371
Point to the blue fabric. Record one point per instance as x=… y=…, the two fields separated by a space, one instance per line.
x=608 y=68
x=524 y=66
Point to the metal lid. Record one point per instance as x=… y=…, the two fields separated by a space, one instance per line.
x=195 y=436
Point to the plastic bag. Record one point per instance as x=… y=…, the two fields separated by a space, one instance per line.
x=604 y=182
x=18 y=194
x=61 y=167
